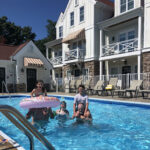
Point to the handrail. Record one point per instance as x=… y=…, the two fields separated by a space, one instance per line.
x=3 y=83
x=7 y=110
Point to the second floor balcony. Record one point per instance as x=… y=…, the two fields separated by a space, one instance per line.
x=74 y=55
x=120 y=47
x=56 y=61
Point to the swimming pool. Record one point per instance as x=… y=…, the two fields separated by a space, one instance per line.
x=115 y=127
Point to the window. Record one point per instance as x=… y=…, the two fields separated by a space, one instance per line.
x=68 y=74
x=55 y=54
x=60 y=53
x=76 y=2
x=126 y=5
x=131 y=35
x=114 y=71
x=72 y=19
x=81 y=13
x=60 y=31
x=77 y=73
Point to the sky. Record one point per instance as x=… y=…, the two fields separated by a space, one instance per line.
x=33 y=13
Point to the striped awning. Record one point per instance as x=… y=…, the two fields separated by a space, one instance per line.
x=32 y=62
x=80 y=34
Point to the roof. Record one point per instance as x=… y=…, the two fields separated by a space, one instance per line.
x=53 y=43
x=6 y=51
x=107 y=2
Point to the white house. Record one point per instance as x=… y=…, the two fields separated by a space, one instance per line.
x=21 y=66
x=75 y=51
x=124 y=38
x=95 y=37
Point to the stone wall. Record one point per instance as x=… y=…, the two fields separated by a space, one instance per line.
x=21 y=87
x=93 y=67
x=146 y=62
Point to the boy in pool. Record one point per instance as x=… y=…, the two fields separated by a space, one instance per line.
x=81 y=98
x=80 y=114
x=39 y=114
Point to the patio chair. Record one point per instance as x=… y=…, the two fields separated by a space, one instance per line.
x=111 y=86
x=134 y=88
x=99 y=87
x=87 y=84
x=72 y=86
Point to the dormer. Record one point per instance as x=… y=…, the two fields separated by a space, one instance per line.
x=124 y=6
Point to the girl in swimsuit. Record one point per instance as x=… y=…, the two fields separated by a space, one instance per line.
x=39 y=114
x=62 y=112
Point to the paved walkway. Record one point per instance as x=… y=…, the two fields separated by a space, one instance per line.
x=139 y=99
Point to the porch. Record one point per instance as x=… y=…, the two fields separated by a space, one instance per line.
x=75 y=55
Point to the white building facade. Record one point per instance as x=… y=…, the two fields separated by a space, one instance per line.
x=75 y=51
x=95 y=37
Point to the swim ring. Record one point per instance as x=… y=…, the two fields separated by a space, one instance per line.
x=39 y=102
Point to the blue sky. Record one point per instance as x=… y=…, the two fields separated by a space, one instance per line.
x=34 y=13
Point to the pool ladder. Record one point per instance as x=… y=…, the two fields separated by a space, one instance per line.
x=25 y=127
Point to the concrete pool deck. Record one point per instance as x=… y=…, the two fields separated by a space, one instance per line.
x=139 y=99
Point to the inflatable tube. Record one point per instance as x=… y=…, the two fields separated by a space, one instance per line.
x=39 y=102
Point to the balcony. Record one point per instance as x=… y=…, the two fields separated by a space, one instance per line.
x=74 y=55
x=120 y=47
x=56 y=61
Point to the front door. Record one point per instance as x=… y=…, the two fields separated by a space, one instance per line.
x=2 y=77
x=126 y=70
x=31 y=79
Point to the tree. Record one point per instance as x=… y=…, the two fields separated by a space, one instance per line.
x=51 y=35
x=15 y=34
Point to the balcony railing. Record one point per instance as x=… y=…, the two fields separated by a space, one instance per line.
x=74 y=54
x=120 y=47
x=56 y=60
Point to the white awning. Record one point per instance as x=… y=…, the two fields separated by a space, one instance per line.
x=33 y=62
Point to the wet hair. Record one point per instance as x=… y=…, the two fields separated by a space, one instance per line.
x=41 y=81
x=63 y=102
x=81 y=86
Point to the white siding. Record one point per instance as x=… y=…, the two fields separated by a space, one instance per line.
x=137 y=4
x=147 y=24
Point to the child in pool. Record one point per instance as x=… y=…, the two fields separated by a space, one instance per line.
x=80 y=114
x=39 y=114
x=62 y=112
x=81 y=98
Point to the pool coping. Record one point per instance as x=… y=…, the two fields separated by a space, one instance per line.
x=11 y=141
x=105 y=101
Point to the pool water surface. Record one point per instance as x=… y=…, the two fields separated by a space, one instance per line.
x=114 y=127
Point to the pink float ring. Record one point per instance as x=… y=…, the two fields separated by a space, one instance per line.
x=39 y=102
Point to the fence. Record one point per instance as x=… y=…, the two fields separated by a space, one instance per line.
x=124 y=80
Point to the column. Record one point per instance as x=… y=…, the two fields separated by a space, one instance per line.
x=17 y=74
x=101 y=42
x=101 y=69
x=139 y=32
x=47 y=50
x=139 y=66
x=139 y=45
x=107 y=69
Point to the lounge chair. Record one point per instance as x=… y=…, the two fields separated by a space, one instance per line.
x=72 y=86
x=134 y=88
x=111 y=86
x=97 y=88
x=87 y=84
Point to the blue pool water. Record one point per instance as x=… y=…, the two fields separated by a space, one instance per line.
x=115 y=127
